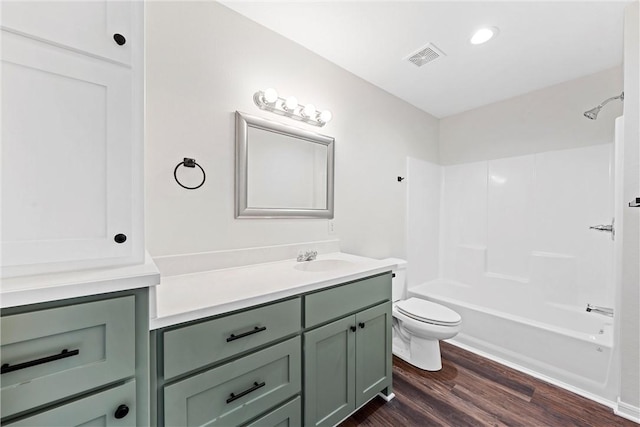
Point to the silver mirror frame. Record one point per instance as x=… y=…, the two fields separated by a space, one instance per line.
x=243 y=123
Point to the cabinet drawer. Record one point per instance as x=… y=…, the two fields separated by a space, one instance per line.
x=332 y=303
x=96 y=410
x=238 y=391
x=198 y=345
x=288 y=415
x=51 y=354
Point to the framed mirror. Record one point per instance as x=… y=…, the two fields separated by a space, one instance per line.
x=282 y=171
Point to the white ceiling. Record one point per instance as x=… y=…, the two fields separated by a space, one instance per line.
x=540 y=43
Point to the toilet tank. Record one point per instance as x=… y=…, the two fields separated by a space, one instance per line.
x=399 y=280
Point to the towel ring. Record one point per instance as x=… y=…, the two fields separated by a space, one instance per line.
x=189 y=163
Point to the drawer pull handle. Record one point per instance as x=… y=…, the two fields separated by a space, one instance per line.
x=6 y=368
x=361 y=324
x=255 y=330
x=256 y=386
x=353 y=328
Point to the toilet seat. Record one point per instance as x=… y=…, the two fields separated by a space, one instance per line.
x=428 y=312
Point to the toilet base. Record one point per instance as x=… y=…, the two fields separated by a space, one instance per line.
x=419 y=352
x=425 y=354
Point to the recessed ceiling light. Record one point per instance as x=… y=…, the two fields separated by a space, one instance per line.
x=483 y=35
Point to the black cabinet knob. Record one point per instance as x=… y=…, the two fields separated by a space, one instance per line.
x=121 y=412
x=120 y=39
x=361 y=324
x=353 y=328
x=120 y=238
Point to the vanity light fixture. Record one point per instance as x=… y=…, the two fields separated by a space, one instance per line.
x=269 y=100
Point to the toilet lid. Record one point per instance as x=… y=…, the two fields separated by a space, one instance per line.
x=427 y=311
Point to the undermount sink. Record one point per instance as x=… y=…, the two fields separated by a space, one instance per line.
x=322 y=265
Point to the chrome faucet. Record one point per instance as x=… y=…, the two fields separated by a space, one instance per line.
x=600 y=310
x=307 y=256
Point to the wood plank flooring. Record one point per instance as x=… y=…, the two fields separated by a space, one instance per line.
x=473 y=391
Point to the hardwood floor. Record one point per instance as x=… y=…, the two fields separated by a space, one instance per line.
x=473 y=391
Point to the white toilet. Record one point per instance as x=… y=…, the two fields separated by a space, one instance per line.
x=418 y=325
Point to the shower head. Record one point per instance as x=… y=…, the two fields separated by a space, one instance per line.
x=593 y=113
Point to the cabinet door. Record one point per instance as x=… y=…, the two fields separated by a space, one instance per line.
x=373 y=352
x=86 y=26
x=115 y=407
x=66 y=156
x=329 y=373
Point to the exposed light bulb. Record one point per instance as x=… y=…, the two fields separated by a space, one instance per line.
x=270 y=95
x=309 y=110
x=291 y=103
x=326 y=116
x=483 y=35
x=269 y=100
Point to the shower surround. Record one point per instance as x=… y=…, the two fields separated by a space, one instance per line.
x=518 y=261
x=525 y=221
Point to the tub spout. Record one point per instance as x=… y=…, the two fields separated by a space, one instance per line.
x=600 y=310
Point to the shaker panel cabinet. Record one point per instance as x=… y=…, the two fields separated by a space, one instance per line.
x=87 y=26
x=330 y=373
x=347 y=363
x=71 y=121
x=374 y=359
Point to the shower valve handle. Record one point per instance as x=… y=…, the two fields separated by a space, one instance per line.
x=608 y=228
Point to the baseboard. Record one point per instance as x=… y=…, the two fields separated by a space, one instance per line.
x=627 y=411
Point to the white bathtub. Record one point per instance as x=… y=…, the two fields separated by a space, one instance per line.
x=563 y=345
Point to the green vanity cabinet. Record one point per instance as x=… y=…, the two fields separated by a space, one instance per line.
x=329 y=375
x=230 y=369
x=374 y=360
x=310 y=359
x=347 y=362
x=81 y=361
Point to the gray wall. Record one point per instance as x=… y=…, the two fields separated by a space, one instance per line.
x=205 y=61
x=544 y=120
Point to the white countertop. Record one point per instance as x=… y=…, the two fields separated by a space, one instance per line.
x=186 y=297
x=23 y=290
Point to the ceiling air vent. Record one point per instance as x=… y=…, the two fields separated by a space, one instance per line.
x=426 y=54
